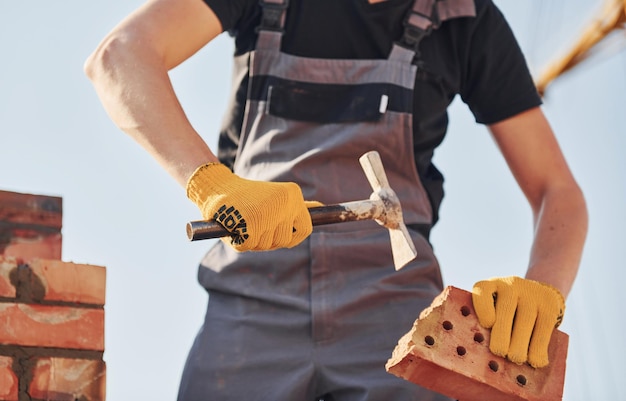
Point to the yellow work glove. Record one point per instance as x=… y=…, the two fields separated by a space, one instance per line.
x=259 y=215
x=521 y=314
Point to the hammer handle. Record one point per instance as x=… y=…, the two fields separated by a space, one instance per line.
x=328 y=214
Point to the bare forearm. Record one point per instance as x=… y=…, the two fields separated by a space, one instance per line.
x=560 y=214
x=129 y=71
x=136 y=92
x=560 y=231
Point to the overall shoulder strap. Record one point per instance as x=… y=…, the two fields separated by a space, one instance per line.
x=427 y=15
x=272 y=24
x=448 y=9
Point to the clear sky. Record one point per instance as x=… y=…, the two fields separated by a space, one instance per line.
x=123 y=212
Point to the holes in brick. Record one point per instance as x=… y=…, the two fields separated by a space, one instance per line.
x=461 y=350
x=493 y=365
x=479 y=338
x=465 y=310
x=447 y=325
x=429 y=340
x=521 y=380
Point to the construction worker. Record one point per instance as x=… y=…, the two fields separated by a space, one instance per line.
x=318 y=83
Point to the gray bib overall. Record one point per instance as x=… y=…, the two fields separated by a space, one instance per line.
x=320 y=320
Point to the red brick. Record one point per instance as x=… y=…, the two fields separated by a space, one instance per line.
x=47 y=247
x=54 y=280
x=41 y=210
x=447 y=351
x=8 y=380
x=7 y=289
x=63 y=379
x=31 y=225
x=52 y=326
x=71 y=282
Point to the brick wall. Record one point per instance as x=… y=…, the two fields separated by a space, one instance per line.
x=51 y=312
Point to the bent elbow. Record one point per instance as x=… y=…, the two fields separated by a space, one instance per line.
x=107 y=57
x=89 y=66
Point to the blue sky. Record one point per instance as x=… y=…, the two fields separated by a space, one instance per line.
x=123 y=212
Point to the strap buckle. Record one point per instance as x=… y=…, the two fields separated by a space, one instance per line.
x=413 y=33
x=272 y=16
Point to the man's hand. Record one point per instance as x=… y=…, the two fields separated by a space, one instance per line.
x=260 y=215
x=521 y=314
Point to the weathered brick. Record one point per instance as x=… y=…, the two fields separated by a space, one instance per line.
x=447 y=351
x=30 y=225
x=7 y=289
x=8 y=380
x=70 y=282
x=52 y=280
x=52 y=326
x=40 y=246
x=39 y=210
x=64 y=379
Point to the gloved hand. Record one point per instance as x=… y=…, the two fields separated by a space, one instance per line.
x=537 y=309
x=259 y=215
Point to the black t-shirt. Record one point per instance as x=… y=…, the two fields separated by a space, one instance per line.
x=477 y=58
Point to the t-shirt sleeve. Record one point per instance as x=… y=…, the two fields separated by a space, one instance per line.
x=497 y=83
x=230 y=12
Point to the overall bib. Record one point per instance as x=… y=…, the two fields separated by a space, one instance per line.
x=320 y=320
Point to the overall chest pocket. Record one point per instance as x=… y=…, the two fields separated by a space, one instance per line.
x=327 y=103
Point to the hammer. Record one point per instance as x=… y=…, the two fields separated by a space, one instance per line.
x=383 y=206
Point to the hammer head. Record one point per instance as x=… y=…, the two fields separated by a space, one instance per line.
x=402 y=246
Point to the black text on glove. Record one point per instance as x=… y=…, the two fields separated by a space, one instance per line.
x=259 y=215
